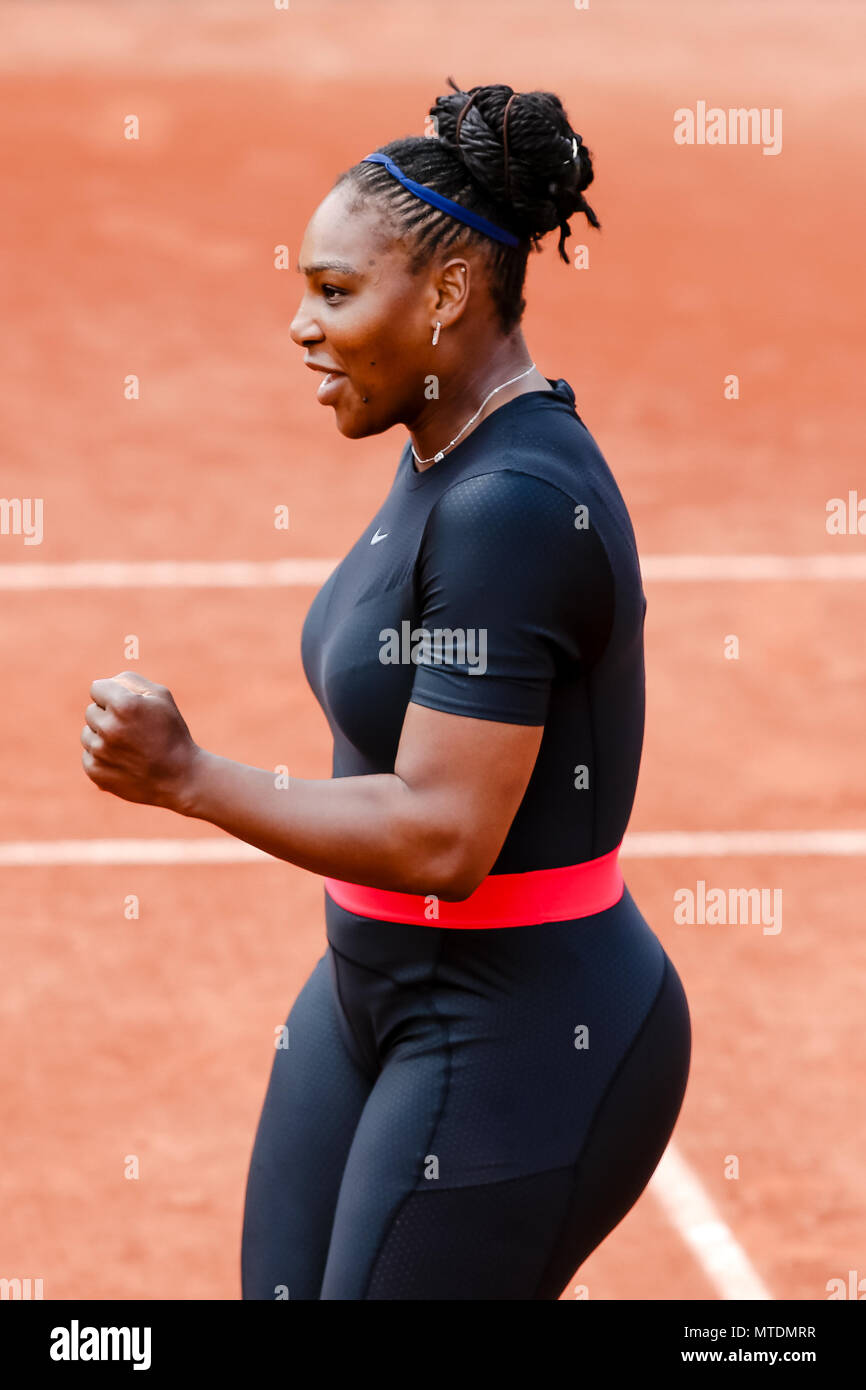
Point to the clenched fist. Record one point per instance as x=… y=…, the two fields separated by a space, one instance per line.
x=136 y=743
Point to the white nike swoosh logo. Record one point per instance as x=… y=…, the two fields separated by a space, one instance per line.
x=377 y=537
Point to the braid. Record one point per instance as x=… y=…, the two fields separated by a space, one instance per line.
x=520 y=172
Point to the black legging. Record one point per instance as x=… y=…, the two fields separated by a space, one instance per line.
x=463 y=1114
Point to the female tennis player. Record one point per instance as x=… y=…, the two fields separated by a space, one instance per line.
x=489 y=1058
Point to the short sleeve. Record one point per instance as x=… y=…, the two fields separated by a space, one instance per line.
x=512 y=589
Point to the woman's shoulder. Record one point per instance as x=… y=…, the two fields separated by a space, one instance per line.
x=531 y=498
x=537 y=489
x=504 y=493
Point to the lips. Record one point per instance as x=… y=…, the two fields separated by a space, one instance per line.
x=331 y=382
x=330 y=386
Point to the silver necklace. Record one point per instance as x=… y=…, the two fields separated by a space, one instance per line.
x=442 y=452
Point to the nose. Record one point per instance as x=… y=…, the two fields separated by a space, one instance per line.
x=303 y=328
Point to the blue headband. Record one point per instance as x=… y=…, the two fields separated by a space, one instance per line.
x=436 y=200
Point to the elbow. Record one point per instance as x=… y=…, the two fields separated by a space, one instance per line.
x=444 y=859
x=449 y=888
x=455 y=878
x=457 y=891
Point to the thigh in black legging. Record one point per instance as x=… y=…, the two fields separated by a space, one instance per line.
x=314 y=1098
x=493 y=1153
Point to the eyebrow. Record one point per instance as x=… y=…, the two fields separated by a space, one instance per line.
x=342 y=267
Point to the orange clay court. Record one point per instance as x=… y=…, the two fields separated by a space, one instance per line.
x=151 y=1035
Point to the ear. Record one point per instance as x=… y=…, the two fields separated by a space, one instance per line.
x=450 y=287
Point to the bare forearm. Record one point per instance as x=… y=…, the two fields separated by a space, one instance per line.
x=369 y=830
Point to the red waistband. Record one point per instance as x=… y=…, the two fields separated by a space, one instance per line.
x=500 y=900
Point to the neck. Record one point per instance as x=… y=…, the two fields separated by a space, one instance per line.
x=463 y=385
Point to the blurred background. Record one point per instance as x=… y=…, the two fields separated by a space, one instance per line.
x=155 y=406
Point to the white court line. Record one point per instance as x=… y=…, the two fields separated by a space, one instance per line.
x=302 y=573
x=646 y=844
x=168 y=574
x=693 y=1215
x=49 y=853
x=746 y=567
x=686 y=844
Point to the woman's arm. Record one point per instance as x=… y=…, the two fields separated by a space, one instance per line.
x=436 y=825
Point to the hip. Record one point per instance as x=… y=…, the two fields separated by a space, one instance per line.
x=603 y=969
x=511 y=1037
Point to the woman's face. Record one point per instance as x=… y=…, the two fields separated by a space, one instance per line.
x=364 y=316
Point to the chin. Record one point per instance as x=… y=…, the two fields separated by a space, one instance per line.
x=357 y=425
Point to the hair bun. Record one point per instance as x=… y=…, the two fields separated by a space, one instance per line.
x=520 y=148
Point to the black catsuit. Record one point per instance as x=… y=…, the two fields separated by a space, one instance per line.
x=466 y=1113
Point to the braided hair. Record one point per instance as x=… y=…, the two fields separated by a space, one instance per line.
x=510 y=156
